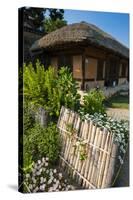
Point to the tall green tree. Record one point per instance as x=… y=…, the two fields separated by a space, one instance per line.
x=35 y=17
x=44 y=20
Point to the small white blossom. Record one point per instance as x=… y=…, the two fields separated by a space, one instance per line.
x=44 y=180
x=49 y=181
x=51 y=173
x=55 y=180
x=59 y=186
x=41 y=180
x=36 y=189
x=39 y=162
x=42 y=187
x=30 y=187
x=47 y=158
x=55 y=171
x=46 y=164
x=43 y=159
x=27 y=175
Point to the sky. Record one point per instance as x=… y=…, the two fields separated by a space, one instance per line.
x=116 y=24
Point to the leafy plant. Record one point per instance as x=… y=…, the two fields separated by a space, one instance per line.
x=41 y=141
x=50 y=90
x=93 y=102
x=120 y=129
x=29 y=119
x=44 y=178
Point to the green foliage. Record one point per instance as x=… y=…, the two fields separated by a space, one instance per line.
x=93 y=102
x=51 y=25
x=35 y=90
x=39 y=141
x=29 y=120
x=48 y=89
x=67 y=87
x=120 y=129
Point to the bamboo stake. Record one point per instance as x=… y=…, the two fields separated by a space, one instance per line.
x=109 y=146
x=92 y=177
x=73 y=138
x=101 y=157
x=65 y=119
x=68 y=138
x=104 y=156
x=91 y=158
x=112 y=164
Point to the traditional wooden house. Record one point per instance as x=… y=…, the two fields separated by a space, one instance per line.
x=94 y=57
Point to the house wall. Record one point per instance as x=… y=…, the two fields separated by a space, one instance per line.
x=90 y=68
x=88 y=59
x=95 y=52
x=77 y=67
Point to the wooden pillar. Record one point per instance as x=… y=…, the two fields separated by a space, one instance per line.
x=83 y=72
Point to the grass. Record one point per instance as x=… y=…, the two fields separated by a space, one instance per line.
x=118 y=101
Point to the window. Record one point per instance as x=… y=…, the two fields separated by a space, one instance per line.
x=100 y=70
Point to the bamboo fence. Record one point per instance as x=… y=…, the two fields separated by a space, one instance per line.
x=88 y=153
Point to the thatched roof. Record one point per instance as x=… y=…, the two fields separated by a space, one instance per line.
x=80 y=33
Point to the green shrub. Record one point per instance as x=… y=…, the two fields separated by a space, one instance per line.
x=29 y=119
x=93 y=102
x=39 y=142
x=38 y=83
x=50 y=90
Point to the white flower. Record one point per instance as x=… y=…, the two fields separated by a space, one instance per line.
x=27 y=175
x=49 y=181
x=34 y=180
x=59 y=186
x=60 y=176
x=30 y=187
x=47 y=171
x=54 y=180
x=43 y=160
x=40 y=170
x=36 y=189
x=41 y=180
x=39 y=162
x=42 y=187
x=46 y=164
x=54 y=170
x=51 y=173
x=44 y=180
x=47 y=158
